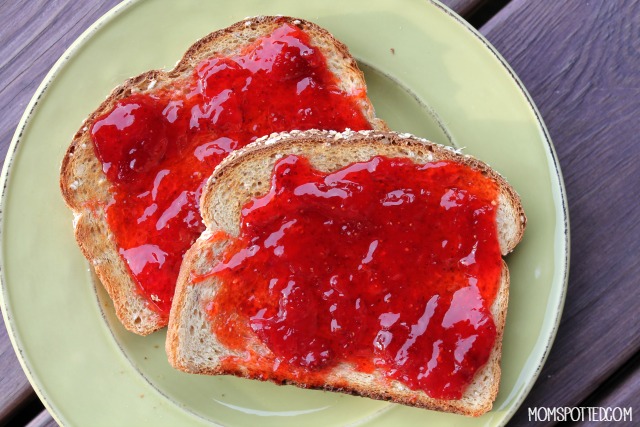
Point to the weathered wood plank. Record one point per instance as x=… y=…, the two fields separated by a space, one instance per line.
x=43 y=420
x=15 y=390
x=33 y=35
x=580 y=63
x=624 y=394
x=465 y=7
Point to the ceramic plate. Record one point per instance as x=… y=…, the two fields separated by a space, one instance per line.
x=428 y=72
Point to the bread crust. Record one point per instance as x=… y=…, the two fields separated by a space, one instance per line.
x=87 y=191
x=190 y=344
x=357 y=146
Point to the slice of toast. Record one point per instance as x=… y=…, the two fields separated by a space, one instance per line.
x=192 y=345
x=88 y=192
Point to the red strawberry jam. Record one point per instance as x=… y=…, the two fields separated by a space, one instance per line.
x=158 y=148
x=385 y=265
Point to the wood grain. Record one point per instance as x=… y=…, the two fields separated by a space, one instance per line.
x=33 y=35
x=580 y=63
x=465 y=7
x=15 y=391
x=624 y=394
x=43 y=420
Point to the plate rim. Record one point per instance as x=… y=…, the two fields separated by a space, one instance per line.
x=86 y=35
x=524 y=392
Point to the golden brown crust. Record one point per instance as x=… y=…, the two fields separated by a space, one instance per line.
x=378 y=142
x=86 y=190
x=327 y=151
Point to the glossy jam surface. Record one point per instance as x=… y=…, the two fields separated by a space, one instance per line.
x=385 y=265
x=158 y=148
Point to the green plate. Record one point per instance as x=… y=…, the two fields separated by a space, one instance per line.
x=429 y=73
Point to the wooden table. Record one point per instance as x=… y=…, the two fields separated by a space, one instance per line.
x=580 y=60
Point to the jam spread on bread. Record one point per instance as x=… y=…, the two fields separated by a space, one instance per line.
x=385 y=265
x=157 y=148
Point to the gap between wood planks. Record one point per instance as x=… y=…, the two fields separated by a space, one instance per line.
x=25 y=412
x=484 y=11
x=611 y=385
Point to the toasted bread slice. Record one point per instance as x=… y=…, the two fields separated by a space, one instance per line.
x=87 y=191
x=193 y=347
